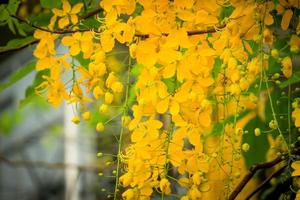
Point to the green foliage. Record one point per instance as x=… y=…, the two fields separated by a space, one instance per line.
x=18 y=75
x=51 y=3
x=258 y=144
x=17 y=43
x=8 y=120
x=30 y=94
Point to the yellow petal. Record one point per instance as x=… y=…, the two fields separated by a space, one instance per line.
x=66 y=6
x=269 y=19
x=75 y=49
x=67 y=41
x=174 y=108
x=76 y=9
x=169 y=70
x=162 y=106
x=286 y=18
x=296 y=165
x=57 y=12
x=204 y=119
x=74 y=19
x=107 y=41
x=63 y=22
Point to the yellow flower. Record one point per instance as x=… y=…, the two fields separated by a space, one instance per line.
x=79 y=42
x=257 y=132
x=67 y=15
x=296 y=167
x=296 y=116
x=86 y=115
x=129 y=194
x=103 y=108
x=76 y=120
x=245 y=147
x=287 y=67
x=100 y=127
x=108 y=98
x=165 y=186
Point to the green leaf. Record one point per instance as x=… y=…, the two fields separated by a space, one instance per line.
x=90 y=23
x=30 y=91
x=11 y=26
x=136 y=69
x=132 y=95
x=216 y=68
x=42 y=19
x=259 y=145
x=218 y=128
x=18 y=75
x=294 y=79
x=171 y=84
x=4 y=15
x=13 y=6
x=83 y=62
x=16 y=43
x=51 y=3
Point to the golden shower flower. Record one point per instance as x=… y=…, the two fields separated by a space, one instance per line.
x=67 y=15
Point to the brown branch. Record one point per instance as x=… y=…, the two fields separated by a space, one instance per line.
x=85 y=16
x=190 y=33
x=274 y=174
x=251 y=173
x=19 y=47
x=92 y=13
x=43 y=164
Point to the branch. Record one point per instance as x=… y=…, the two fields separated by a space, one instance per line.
x=43 y=164
x=279 y=171
x=19 y=47
x=251 y=173
x=92 y=13
x=87 y=15
x=192 y=32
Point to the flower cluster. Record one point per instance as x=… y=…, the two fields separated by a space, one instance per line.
x=187 y=81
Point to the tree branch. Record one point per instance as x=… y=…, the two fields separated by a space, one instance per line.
x=92 y=13
x=279 y=171
x=251 y=173
x=22 y=46
x=43 y=164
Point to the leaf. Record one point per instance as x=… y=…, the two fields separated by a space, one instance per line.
x=90 y=23
x=18 y=75
x=13 y=6
x=83 y=62
x=51 y=3
x=218 y=128
x=216 y=68
x=292 y=80
x=30 y=91
x=17 y=43
x=11 y=26
x=42 y=19
x=136 y=69
x=259 y=145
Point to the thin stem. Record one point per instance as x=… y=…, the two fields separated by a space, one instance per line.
x=122 y=131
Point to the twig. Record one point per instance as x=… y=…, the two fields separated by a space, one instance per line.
x=92 y=13
x=87 y=15
x=19 y=47
x=43 y=164
x=251 y=173
x=279 y=171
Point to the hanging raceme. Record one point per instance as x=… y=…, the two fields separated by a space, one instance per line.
x=194 y=94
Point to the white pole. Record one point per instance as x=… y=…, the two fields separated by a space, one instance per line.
x=71 y=154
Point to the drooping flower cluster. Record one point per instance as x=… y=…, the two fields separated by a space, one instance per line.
x=196 y=68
